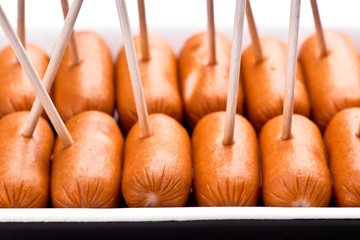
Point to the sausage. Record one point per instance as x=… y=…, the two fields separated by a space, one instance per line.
x=225 y=175
x=16 y=91
x=24 y=163
x=264 y=83
x=204 y=87
x=88 y=85
x=343 y=150
x=157 y=169
x=159 y=80
x=294 y=171
x=334 y=80
x=88 y=172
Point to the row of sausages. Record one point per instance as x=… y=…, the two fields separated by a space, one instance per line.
x=160 y=170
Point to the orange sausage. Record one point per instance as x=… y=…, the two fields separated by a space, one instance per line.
x=159 y=80
x=225 y=175
x=87 y=173
x=157 y=169
x=333 y=80
x=24 y=163
x=264 y=83
x=204 y=87
x=16 y=91
x=88 y=85
x=343 y=148
x=294 y=171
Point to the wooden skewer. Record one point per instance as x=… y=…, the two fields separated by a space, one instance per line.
x=319 y=29
x=21 y=21
x=35 y=80
x=134 y=69
x=54 y=63
x=72 y=43
x=234 y=72
x=291 y=69
x=211 y=32
x=256 y=46
x=145 y=52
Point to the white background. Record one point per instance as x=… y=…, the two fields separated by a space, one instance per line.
x=176 y=20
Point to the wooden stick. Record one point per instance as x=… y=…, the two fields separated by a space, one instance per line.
x=53 y=66
x=145 y=51
x=211 y=32
x=134 y=69
x=291 y=69
x=319 y=29
x=35 y=80
x=72 y=43
x=234 y=72
x=256 y=46
x=21 y=21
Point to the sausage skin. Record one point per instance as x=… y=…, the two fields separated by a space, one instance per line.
x=204 y=87
x=87 y=174
x=294 y=172
x=159 y=81
x=264 y=83
x=88 y=85
x=334 y=80
x=225 y=175
x=16 y=91
x=24 y=163
x=343 y=148
x=157 y=169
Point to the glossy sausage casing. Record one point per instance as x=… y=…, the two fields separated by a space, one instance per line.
x=24 y=163
x=225 y=175
x=333 y=80
x=88 y=85
x=204 y=87
x=157 y=169
x=88 y=172
x=264 y=83
x=159 y=81
x=16 y=91
x=295 y=171
x=343 y=148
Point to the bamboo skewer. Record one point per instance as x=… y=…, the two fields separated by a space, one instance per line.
x=234 y=72
x=35 y=80
x=72 y=42
x=256 y=46
x=145 y=51
x=21 y=21
x=133 y=69
x=54 y=63
x=319 y=29
x=211 y=32
x=291 y=69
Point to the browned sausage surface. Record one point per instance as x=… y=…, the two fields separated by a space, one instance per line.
x=16 y=91
x=333 y=80
x=159 y=81
x=88 y=85
x=204 y=87
x=225 y=175
x=264 y=83
x=88 y=172
x=24 y=163
x=343 y=148
x=157 y=169
x=294 y=171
